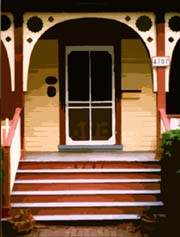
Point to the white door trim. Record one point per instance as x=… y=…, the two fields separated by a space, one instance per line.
x=69 y=141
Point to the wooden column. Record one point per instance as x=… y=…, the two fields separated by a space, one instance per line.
x=161 y=93
x=6 y=182
x=62 y=114
x=118 y=92
x=19 y=74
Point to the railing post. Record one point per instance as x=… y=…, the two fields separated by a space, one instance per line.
x=6 y=182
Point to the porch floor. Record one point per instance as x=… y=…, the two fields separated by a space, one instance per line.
x=90 y=156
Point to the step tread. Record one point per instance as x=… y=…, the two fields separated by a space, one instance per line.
x=88 y=198
x=85 y=204
x=125 y=170
x=86 y=176
x=86 y=217
x=91 y=156
x=85 y=192
x=69 y=181
x=86 y=186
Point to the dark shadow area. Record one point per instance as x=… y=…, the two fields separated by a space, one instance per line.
x=173 y=96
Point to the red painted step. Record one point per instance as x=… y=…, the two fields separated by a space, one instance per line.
x=66 y=181
x=88 y=198
x=86 y=176
x=86 y=165
x=87 y=186
x=86 y=210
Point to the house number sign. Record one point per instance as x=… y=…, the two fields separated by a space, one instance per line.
x=160 y=61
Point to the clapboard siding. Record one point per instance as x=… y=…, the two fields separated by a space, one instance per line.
x=41 y=111
x=138 y=109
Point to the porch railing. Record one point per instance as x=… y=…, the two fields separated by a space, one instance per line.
x=174 y=121
x=164 y=121
x=11 y=144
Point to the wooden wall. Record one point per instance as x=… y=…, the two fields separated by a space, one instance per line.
x=138 y=109
x=41 y=111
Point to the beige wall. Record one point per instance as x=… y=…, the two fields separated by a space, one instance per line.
x=138 y=109
x=41 y=111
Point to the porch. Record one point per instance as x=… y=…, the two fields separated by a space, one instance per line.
x=112 y=182
x=88 y=184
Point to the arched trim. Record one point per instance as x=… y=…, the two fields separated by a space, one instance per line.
x=7 y=38
x=50 y=19
x=171 y=40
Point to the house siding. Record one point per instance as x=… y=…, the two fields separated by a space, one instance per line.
x=138 y=109
x=41 y=111
x=138 y=115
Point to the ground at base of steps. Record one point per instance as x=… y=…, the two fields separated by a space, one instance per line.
x=92 y=229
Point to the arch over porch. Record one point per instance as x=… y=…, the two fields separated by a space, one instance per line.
x=95 y=31
x=48 y=20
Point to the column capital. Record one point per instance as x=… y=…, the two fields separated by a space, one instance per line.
x=160 y=17
x=18 y=19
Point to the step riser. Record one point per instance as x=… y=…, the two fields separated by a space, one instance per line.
x=86 y=165
x=87 y=198
x=133 y=186
x=87 y=210
x=36 y=176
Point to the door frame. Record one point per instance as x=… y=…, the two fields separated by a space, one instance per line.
x=89 y=48
x=117 y=93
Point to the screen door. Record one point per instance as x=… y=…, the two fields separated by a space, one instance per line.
x=90 y=91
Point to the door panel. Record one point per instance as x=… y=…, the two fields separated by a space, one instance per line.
x=78 y=76
x=101 y=76
x=101 y=124
x=79 y=124
x=90 y=95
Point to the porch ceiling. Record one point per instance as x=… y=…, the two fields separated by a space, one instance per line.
x=89 y=5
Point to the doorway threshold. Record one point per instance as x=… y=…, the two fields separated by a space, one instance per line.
x=90 y=147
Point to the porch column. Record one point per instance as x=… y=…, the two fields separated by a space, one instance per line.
x=6 y=197
x=18 y=20
x=161 y=93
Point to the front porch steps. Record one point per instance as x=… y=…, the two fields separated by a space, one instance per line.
x=87 y=189
x=86 y=217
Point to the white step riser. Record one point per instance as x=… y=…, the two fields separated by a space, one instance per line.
x=79 y=181
x=85 y=192
x=87 y=204
x=90 y=170
x=85 y=217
